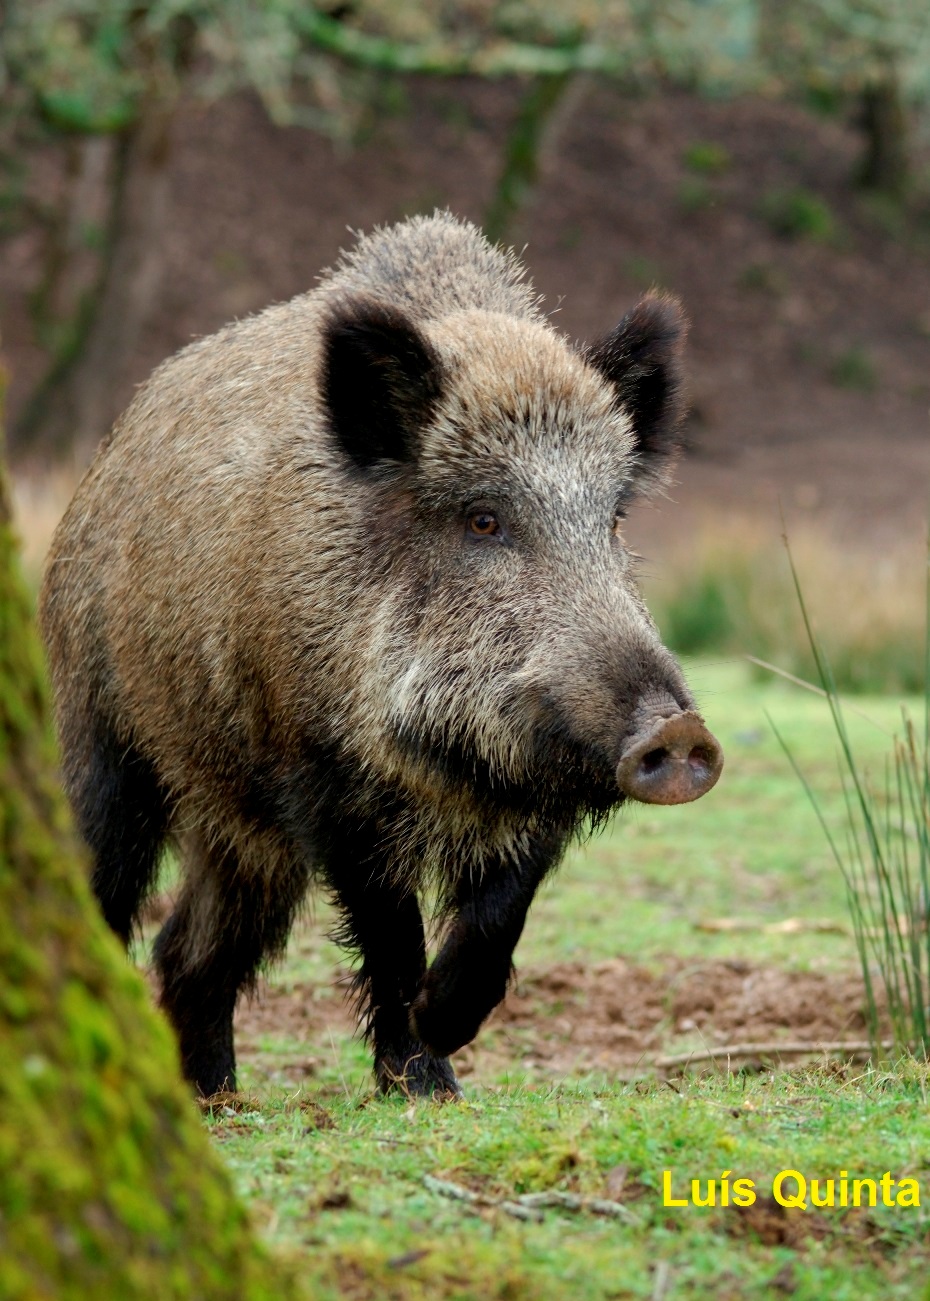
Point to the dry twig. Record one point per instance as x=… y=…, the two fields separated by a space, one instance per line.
x=530 y=1206
x=788 y=926
x=785 y=1048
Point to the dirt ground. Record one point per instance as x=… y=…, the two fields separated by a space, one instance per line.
x=612 y=1018
x=256 y=210
x=616 y=1018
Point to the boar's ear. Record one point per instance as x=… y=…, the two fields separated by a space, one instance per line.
x=380 y=381
x=641 y=357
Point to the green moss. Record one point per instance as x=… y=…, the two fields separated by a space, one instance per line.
x=855 y=369
x=798 y=214
x=707 y=158
x=108 y=1185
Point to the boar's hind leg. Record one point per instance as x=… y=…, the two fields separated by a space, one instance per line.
x=381 y=922
x=226 y=921
x=122 y=813
x=470 y=973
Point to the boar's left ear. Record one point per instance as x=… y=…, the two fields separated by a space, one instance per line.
x=641 y=357
x=381 y=381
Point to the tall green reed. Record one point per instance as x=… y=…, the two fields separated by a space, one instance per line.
x=884 y=856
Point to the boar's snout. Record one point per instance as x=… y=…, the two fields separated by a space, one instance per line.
x=670 y=762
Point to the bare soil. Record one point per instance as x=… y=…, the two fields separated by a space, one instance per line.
x=613 y=1018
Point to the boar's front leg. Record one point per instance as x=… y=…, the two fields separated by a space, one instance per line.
x=470 y=973
x=381 y=922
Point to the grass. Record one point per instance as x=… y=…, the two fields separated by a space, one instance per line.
x=642 y=271
x=357 y=1188
x=763 y=277
x=695 y=195
x=348 y=1181
x=855 y=369
x=885 y=858
x=798 y=214
x=707 y=158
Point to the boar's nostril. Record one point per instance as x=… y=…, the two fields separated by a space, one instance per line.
x=672 y=762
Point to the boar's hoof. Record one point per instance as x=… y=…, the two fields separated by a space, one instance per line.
x=672 y=762
x=417 y=1074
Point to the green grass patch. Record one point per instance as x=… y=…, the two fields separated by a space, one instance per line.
x=799 y=214
x=855 y=369
x=762 y=277
x=642 y=271
x=707 y=158
x=696 y=195
x=362 y=1188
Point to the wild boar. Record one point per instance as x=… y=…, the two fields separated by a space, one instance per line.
x=344 y=598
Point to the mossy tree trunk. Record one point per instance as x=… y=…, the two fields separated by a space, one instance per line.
x=108 y=1184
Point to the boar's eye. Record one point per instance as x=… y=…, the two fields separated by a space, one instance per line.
x=483 y=524
x=617 y=526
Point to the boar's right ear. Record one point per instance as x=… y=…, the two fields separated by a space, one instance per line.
x=641 y=358
x=381 y=381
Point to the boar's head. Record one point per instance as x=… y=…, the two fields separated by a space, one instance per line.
x=493 y=464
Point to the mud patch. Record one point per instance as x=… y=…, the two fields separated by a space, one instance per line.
x=615 y=1018
x=774 y=1225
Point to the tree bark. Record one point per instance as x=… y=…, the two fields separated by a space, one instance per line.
x=132 y=281
x=884 y=165
x=86 y=385
x=108 y=1184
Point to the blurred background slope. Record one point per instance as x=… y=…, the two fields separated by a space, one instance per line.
x=167 y=166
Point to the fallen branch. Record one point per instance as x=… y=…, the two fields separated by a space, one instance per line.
x=796 y=925
x=572 y=1202
x=519 y=1211
x=446 y=1188
x=788 y=926
x=456 y=1193
x=787 y=1048
x=530 y=1206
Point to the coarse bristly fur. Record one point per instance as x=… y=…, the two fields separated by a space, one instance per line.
x=281 y=633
